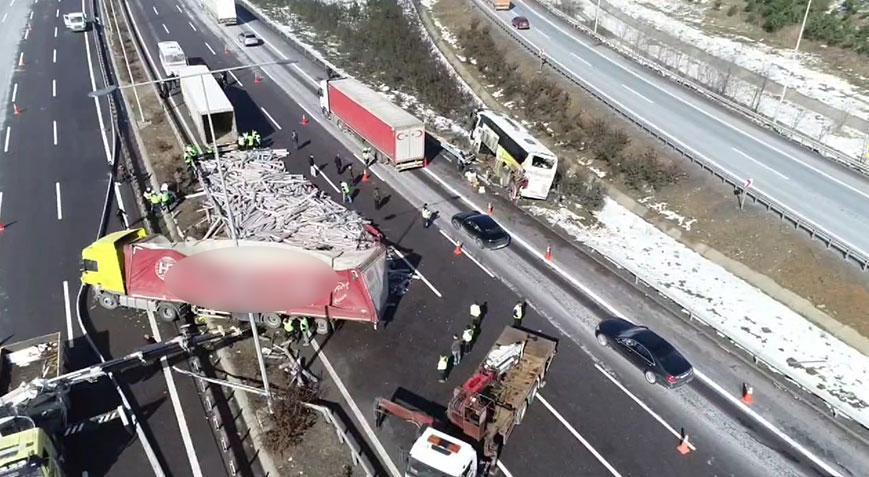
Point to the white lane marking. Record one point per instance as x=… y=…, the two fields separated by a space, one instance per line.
x=542 y=34
x=176 y=403
x=4 y=17
x=54 y=55
x=643 y=405
x=55 y=32
x=14 y=91
x=637 y=93
x=504 y=469
x=6 y=142
x=210 y=48
x=191 y=26
x=87 y=47
x=599 y=300
x=306 y=75
x=324 y=176
x=54 y=130
x=30 y=17
x=121 y=206
x=26 y=33
x=760 y=163
x=57 y=13
x=271 y=118
x=155 y=10
x=465 y=252
x=282 y=55
x=164 y=28
x=769 y=426
x=236 y=79
x=416 y=272
x=698 y=109
x=68 y=310
x=1 y=203
x=581 y=59
x=384 y=456
x=53 y=88
x=21 y=59
x=578 y=437
x=57 y=196
x=12 y=3
x=178 y=7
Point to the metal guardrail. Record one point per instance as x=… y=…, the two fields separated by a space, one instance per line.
x=345 y=437
x=785 y=213
x=794 y=135
x=640 y=282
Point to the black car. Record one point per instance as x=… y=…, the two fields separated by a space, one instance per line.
x=658 y=359
x=482 y=228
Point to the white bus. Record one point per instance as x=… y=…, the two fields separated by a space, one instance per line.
x=172 y=57
x=516 y=151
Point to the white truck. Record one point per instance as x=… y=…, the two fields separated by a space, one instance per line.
x=75 y=21
x=203 y=98
x=223 y=11
x=172 y=57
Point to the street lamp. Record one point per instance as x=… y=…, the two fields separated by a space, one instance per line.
x=794 y=56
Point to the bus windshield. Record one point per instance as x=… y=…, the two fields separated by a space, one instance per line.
x=174 y=57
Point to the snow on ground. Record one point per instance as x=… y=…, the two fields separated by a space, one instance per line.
x=682 y=20
x=763 y=326
x=661 y=208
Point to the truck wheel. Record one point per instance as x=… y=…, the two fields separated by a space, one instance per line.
x=455 y=223
x=272 y=320
x=650 y=377
x=323 y=326
x=107 y=300
x=168 y=312
x=479 y=242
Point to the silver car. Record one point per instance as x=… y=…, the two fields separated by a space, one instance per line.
x=248 y=38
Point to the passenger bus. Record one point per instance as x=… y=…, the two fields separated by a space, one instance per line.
x=516 y=152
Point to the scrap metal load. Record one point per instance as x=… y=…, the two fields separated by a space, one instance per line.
x=270 y=204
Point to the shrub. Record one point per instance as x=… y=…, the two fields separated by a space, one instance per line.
x=647 y=171
x=583 y=188
x=732 y=10
x=291 y=418
x=606 y=143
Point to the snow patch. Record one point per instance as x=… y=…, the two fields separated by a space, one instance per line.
x=661 y=208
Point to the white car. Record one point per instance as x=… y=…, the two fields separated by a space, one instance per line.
x=248 y=38
x=75 y=21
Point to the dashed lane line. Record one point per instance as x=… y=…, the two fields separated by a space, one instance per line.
x=270 y=118
x=59 y=205
x=465 y=253
x=578 y=436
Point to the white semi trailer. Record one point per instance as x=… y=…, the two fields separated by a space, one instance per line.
x=203 y=97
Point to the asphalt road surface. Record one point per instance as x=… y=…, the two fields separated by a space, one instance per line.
x=835 y=198
x=600 y=418
x=54 y=172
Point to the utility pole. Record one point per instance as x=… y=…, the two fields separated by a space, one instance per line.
x=794 y=56
x=596 y=15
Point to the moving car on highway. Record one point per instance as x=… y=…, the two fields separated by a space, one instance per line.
x=658 y=359
x=521 y=23
x=485 y=232
x=248 y=38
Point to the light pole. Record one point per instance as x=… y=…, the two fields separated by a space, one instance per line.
x=796 y=50
x=596 y=15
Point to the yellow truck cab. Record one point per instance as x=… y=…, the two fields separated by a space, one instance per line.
x=28 y=453
x=102 y=262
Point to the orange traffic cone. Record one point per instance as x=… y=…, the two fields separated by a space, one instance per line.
x=491 y=209
x=747 y=394
x=684 y=448
x=548 y=255
x=305 y=120
x=2 y=228
x=18 y=110
x=257 y=79
x=365 y=176
x=458 y=250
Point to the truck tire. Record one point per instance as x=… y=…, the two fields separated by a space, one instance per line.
x=323 y=326
x=168 y=312
x=108 y=301
x=272 y=320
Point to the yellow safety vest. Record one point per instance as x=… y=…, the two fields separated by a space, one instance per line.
x=442 y=363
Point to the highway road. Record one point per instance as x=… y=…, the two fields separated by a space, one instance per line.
x=54 y=172
x=599 y=416
x=818 y=189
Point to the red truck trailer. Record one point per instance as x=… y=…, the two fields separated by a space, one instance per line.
x=274 y=280
x=392 y=131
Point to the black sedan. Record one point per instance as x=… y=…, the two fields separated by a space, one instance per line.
x=485 y=232
x=659 y=360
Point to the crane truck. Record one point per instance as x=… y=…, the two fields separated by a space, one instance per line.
x=34 y=404
x=484 y=409
x=129 y=268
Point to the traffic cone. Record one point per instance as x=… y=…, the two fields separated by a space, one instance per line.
x=458 y=250
x=683 y=446
x=365 y=176
x=18 y=110
x=747 y=394
x=257 y=79
x=305 y=120
x=425 y=162
x=225 y=49
x=548 y=255
x=2 y=228
x=491 y=209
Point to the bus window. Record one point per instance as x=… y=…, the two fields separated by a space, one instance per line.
x=542 y=162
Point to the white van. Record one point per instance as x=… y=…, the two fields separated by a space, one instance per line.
x=75 y=21
x=171 y=57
